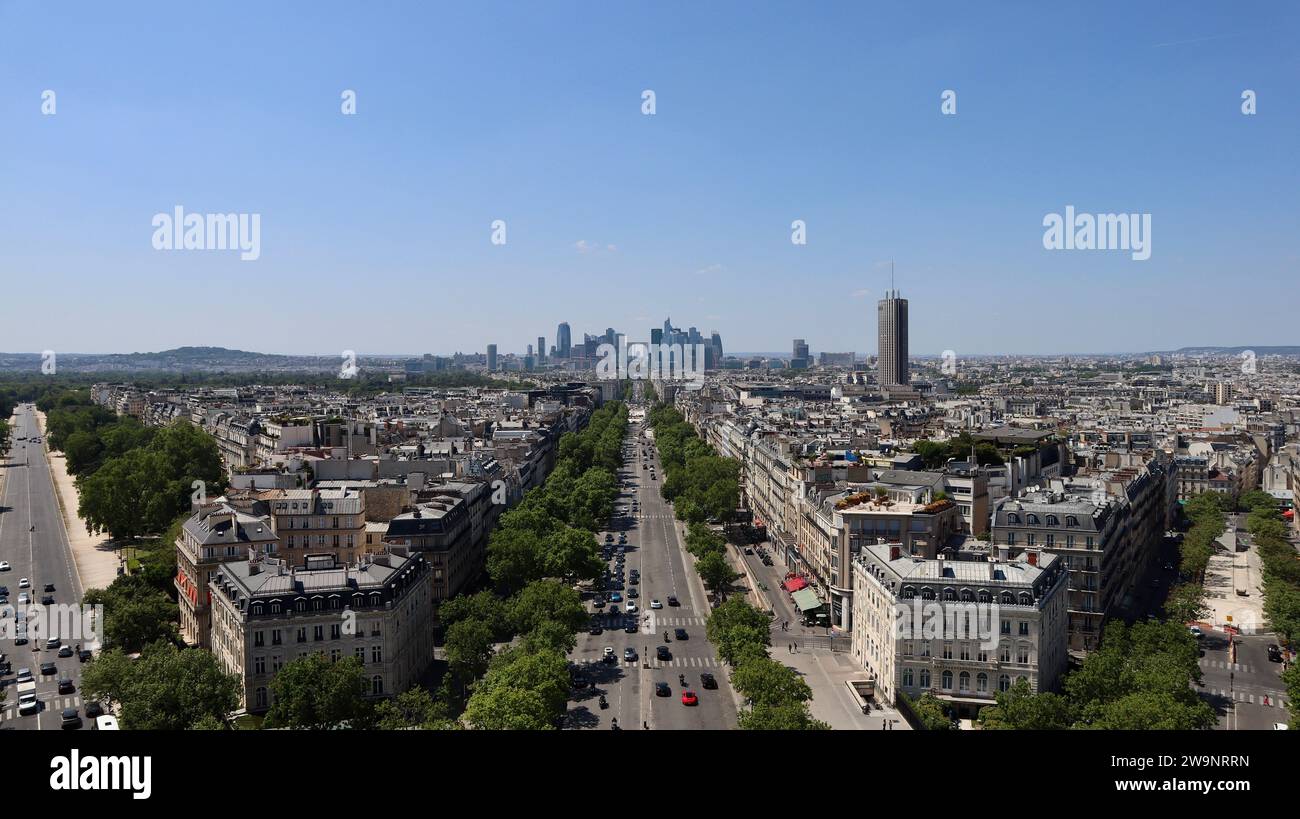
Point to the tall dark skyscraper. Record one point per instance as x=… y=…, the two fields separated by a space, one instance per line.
x=799 y=358
x=492 y=358
x=892 y=323
x=563 y=341
x=541 y=349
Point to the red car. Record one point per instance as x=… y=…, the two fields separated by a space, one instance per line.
x=689 y=698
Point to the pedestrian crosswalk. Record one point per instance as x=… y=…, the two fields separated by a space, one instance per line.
x=1273 y=700
x=1240 y=668
x=679 y=621
x=687 y=662
x=9 y=711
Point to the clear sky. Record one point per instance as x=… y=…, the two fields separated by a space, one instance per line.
x=375 y=228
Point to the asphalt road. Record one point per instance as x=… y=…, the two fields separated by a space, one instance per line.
x=43 y=556
x=655 y=549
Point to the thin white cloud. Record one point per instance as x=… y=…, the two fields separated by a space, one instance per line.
x=588 y=246
x=860 y=293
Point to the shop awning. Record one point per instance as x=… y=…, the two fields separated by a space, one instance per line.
x=806 y=600
x=794 y=584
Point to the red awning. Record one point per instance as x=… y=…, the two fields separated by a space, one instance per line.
x=794 y=584
x=1290 y=513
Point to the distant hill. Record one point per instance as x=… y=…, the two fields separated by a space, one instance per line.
x=1261 y=350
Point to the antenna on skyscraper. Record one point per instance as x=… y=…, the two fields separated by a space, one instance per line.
x=891 y=277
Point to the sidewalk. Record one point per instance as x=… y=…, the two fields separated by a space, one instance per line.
x=1224 y=576
x=94 y=555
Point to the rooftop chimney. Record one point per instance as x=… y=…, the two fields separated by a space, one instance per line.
x=893 y=552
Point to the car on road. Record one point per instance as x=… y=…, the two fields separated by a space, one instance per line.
x=49 y=587
x=613 y=608
x=94 y=709
x=616 y=598
x=28 y=704
x=85 y=654
x=630 y=627
x=47 y=600
x=609 y=651
x=707 y=680
x=1281 y=726
x=630 y=608
x=595 y=629
x=65 y=651
x=655 y=604
x=53 y=642
x=672 y=601
x=629 y=654
x=748 y=551
x=24 y=674
x=689 y=698
x=24 y=599
x=1196 y=631
x=4 y=565
x=49 y=668
x=662 y=690
x=633 y=592
x=609 y=537
x=680 y=634
x=599 y=602
x=65 y=685
x=71 y=719
x=24 y=583
x=1274 y=653
x=662 y=653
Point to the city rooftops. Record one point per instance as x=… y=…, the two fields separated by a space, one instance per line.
x=897 y=565
x=1012 y=436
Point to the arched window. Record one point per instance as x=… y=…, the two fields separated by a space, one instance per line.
x=257 y=609
x=947 y=680
x=1071 y=520
x=909 y=592
x=1013 y=518
x=1004 y=682
x=982 y=682
x=1031 y=519
x=1007 y=599
x=963 y=681
x=300 y=604
x=1026 y=599
x=275 y=606
x=927 y=593
x=986 y=596
x=907 y=677
x=950 y=594
x=1052 y=520
x=967 y=596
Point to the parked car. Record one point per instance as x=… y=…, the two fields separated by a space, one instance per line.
x=707 y=680
x=1274 y=653
x=71 y=720
x=662 y=653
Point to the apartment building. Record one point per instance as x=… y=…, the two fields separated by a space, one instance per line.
x=441 y=529
x=1106 y=527
x=215 y=534
x=268 y=611
x=960 y=629
x=319 y=521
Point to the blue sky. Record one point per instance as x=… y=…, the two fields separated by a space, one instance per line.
x=376 y=227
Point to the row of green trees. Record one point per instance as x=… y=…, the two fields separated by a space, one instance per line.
x=535 y=554
x=701 y=485
x=776 y=697
x=550 y=533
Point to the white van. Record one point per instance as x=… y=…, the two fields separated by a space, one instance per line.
x=106 y=723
